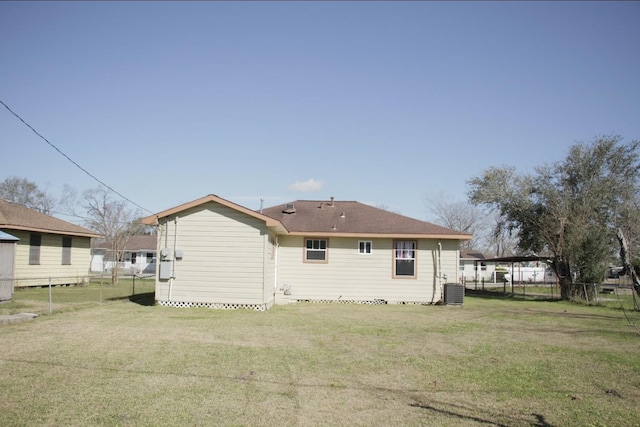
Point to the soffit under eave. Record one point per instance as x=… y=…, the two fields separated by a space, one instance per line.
x=382 y=235
x=277 y=228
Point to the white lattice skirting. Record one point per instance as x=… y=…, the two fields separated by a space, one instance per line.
x=213 y=305
x=369 y=302
x=264 y=307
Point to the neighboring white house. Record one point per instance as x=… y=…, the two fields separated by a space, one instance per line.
x=48 y=249
x=473 y=267
x=215 y=253
x=138 y=257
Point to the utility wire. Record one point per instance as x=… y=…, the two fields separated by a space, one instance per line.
x=71 y=160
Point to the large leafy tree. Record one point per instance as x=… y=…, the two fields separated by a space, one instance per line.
x=570 y=210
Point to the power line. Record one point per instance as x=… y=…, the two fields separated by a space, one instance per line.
x=85 y=218
x=71 y=160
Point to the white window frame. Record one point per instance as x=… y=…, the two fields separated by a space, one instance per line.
x=316 y=249
x=404 y=253
x=365 y=247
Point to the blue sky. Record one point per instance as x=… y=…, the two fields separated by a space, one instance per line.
x=386 y=103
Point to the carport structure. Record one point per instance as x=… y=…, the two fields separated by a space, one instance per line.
x=512 y=260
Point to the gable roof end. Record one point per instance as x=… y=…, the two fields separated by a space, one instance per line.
x=271 y=222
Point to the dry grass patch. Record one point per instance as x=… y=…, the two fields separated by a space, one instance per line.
x=489 y=362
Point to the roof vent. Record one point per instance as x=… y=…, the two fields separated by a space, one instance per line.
x=332 y=201
x=289 y=209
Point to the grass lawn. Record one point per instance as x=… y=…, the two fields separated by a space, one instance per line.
x=491 y=362
x=97 y=292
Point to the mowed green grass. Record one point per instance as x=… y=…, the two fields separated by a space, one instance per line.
x=490 y=362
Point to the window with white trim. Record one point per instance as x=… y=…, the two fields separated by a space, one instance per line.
x=315 y=250
x=365 y=247
x=404 y=264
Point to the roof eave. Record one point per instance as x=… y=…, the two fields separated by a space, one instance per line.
x=50 y=231
x=382 y=235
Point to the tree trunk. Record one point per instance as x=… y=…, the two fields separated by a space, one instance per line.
x=563 y=272
x=115 y=271
x=626 y=260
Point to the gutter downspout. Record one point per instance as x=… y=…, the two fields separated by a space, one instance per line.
x=438 y=273
x=166 y=245
x=440 y=268
x=175 y=244
x=276 y=247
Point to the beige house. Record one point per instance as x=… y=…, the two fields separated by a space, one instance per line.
x=47 y=248
x=215 y=253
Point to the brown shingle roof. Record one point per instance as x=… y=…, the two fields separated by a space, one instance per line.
x=349 y=218
x=471 y=254
x=19 y=217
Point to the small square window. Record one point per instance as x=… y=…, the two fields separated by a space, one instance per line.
x=364 y=247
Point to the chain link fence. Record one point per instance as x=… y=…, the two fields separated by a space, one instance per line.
x=44 y=295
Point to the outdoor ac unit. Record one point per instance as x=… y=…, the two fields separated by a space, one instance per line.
x=453 y=294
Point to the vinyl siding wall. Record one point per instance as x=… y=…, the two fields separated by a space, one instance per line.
x=224 y=258
x=51 y=260
x=349 y=275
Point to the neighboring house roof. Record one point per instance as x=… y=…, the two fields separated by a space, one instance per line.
x=520 y=258
x=142 y=242
x=473 y=255
x=350 y=218
x=18 y=217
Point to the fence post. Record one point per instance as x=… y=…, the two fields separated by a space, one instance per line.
x=584 y=288
x=50 y=297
